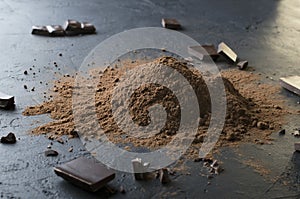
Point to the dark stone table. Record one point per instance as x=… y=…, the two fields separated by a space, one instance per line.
x=266 y=33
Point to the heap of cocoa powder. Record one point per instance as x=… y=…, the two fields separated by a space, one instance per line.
x=254 y=110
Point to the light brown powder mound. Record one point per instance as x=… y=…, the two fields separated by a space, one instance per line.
x=251 y=113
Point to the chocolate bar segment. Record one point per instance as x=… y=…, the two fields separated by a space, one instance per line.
x=72 y=27
x=242 y=65
x=40 y=30
x=6 y=101
x=85 y=173
x=170 y=24
x=55 y=30
x=87 y=28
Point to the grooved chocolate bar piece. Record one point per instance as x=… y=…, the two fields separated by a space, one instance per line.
x=6 y=101
x=85 y=173
x=55 y=30
x=87 y=28
x=72 y=27
x=40 y=30
x=291 y=83
x=171 y=24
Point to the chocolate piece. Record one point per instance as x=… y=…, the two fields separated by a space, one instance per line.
x=223 y=49
x=170 y=24
x=164 y=176
x=6 y=101
x=51 y=153
x=281 y=132
x=87 y=28
x=55 y=30
x=9 y=139
x=291 y=83
x=139 y=168
x=202 y=52
x=72 y=27
x=85 y=173
x=242 y=65
x=40 y=30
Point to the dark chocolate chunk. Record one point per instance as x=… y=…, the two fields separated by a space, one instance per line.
x=170 y=24
x=55 y=30
x=51 y=153
x=6 y=101
x=164 y=176
x=40 y=30
x=9 y=139
x=281 y=132
x=87 y=28
x=242 y=65
x=85 y=173
x=72 y=27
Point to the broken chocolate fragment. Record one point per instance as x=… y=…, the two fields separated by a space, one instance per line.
x=51 y=153
x=226 y=51
x=171 y=24
x=40 y=30
x=87 y=28
x=72 y=27
x=9 y=139
x=85 y=173
x=281 y=132
x=6 y=101
x=204 y=51
x=140 y=169
x=55 y=30
x=164 y=176
x=242 y=65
